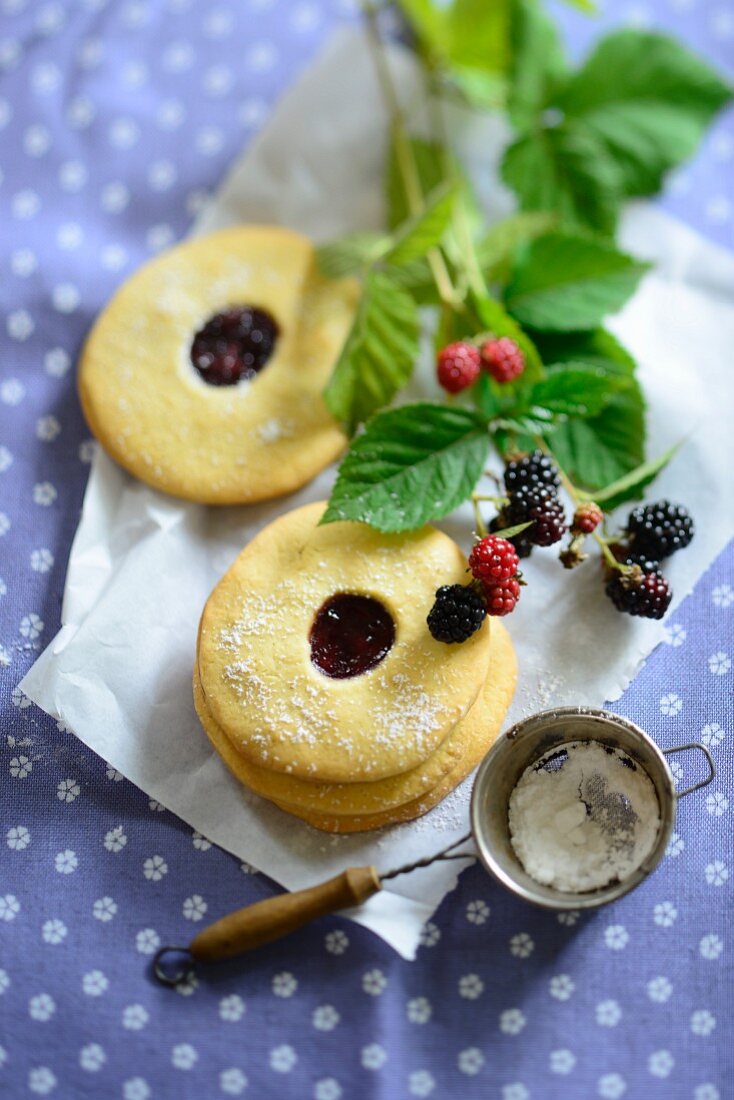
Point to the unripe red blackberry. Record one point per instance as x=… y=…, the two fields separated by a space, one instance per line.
x=503 y=359
x=502 y=598
x=458 y=366
x=493 y=560
x=587 y=518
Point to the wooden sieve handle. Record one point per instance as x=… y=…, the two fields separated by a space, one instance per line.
x=274 y=917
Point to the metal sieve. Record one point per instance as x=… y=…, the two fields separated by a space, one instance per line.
x=498 y=774
x=524 y=744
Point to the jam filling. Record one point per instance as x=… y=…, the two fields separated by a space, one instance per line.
x=350 y=635
x=233 y=345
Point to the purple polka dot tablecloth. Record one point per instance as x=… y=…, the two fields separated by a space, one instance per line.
x=116 y=120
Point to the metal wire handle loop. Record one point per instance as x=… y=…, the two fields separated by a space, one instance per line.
x=184 y=972
x=439 y=857
x=712 y=766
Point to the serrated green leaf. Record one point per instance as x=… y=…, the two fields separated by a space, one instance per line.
x=566 y=283
x=538 y=63
x=417 y=279
x=378 y=355
x=410 y=465
x=419 y=234
x=568 y=171
x=633 y=484
x=600 y=450
x=647 y=100
x=575 y=390
x=350 y=254
x=595 y=348
x=496 y=248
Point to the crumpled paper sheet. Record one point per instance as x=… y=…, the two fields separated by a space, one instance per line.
x=142 y=565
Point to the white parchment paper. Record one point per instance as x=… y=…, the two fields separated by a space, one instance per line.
x=119 y=671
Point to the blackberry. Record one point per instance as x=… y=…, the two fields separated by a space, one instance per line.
x=658 y=530
x=522 y=542
x=458 y=366
x=644 y=592
x=458 y=613
x=541 y=507
x=502 y=598
x=535 y=469
x=587 y=518
x=502 y=359
x=493 y=560
x=624 y=554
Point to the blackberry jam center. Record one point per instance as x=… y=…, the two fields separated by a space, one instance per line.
x=233 y=345
x=350 y=635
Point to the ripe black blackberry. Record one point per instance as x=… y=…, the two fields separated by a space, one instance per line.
x=643 y=591
x=624 y=554
x=658 y=530
x=535 y=469
x=458 y=613
x=540 y=506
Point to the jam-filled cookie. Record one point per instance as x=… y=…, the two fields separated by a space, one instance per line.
x=314 y=656
x=355 y=807
x=204 y=374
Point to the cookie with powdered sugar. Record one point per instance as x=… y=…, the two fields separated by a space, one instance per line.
x=204 y=374
x=314 y=656
x=357 y=807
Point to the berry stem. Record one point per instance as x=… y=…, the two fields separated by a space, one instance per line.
x=577 y=499
x=479 y=524
x=403 y=149
x=498 y=501
x=436 y=106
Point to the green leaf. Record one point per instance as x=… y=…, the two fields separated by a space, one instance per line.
x=410 y=465
x=587 y=6
x=568 y=171
x=429 y=159
x=562 y=283
x=350 y=254
x=496 y=248
x=647 y=100
x=417 y=279
x=538 y=63
x=595 y=348
x=633 y=484
x=478 y=34
x=604 y=448
x=573 y=390
x=479 y=89
x=418 y=235
x=427 y=21
x=378 y=354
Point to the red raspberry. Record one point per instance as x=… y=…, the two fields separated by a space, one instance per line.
x=458 y=366
x=587 y=517
x=493 y=560
x=502 y=359
x=501 y=598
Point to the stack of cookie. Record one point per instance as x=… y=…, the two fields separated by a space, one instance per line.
x=318 y=681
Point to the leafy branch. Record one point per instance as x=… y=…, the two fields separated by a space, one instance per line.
x=543 y=280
